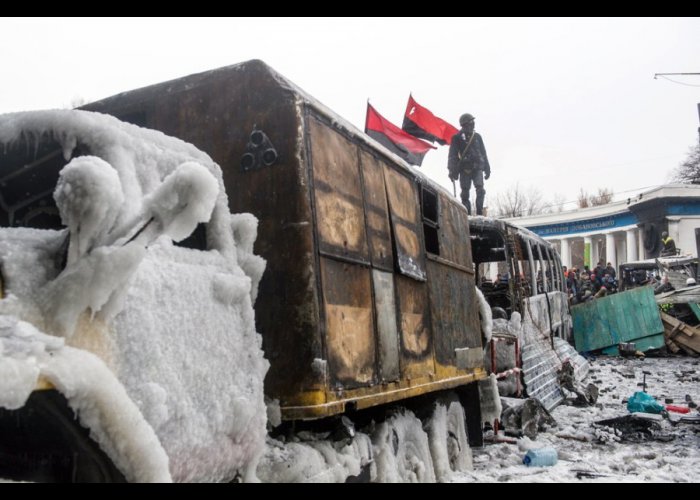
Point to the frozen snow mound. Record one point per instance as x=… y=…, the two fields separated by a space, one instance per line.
x=173 y=326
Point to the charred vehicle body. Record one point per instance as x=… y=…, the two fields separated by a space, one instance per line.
x=529 y=286
x=678 y=269
x=368 y=298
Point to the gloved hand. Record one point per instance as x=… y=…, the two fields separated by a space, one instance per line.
x=487 y=175
x=454 y=176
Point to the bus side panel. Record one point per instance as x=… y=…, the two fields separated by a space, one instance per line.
x=454 y=312
x=454 y=232
x=376 y=212
x=347 y=301
x=337 y=194
x=415 y=335
x=406 y=224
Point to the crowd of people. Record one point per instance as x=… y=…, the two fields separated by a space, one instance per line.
x=588 y=284
x=583 y=285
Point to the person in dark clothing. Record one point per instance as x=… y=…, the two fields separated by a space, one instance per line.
x=611 y=270
x=669 y=245
x=467 y=161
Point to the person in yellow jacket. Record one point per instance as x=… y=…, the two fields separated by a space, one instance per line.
x=669 y=245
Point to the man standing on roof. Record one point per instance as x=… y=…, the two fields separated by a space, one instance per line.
x=467 y=161
x=669 y=245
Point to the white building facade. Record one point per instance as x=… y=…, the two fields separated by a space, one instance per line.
x=623 y=231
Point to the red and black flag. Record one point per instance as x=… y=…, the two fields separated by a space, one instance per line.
x=420 y=122
x=393 y=138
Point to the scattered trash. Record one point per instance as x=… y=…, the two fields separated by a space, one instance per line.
x=576 y=437
x=643 y=402
x=540 y=457
x=634 y=428
x=677 y=409
x=643 y=383
x=657 y=417
x=585 y=396
x=580 y=474
x=627 y=348
x=525 y=418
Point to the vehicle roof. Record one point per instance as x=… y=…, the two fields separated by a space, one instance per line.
x=665 y=261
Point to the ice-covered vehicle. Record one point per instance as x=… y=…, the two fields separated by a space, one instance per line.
x=151 y=344
x=367 y=307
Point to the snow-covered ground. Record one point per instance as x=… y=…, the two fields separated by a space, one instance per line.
x=650 y=461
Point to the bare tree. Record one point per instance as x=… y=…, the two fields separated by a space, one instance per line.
x=518 y=201
x=583 y=199
x=602 y=197
x=688 y=172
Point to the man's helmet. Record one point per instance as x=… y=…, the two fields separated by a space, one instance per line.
x=664 y=234
x=466 y=118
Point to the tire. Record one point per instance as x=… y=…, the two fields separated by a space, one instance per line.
x=44 y=442
x=402 y=450
x=447 y=433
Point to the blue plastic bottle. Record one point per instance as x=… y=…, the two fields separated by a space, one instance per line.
x=540 y=457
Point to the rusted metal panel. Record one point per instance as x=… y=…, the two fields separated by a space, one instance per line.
x=415 y=331
x=347 y=300
x=388 y=337
x=454 y=233
x=454 y=311
x=405 y=223
x=376 y=212
x=338 y=193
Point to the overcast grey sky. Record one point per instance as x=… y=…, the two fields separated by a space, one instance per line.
x=560 y=103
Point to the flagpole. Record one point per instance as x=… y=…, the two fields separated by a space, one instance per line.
x=367 y=115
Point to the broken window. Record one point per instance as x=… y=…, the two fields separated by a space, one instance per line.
x=28 y=176
x=429 y=211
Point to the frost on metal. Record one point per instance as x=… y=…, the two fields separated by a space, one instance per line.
x=153 y=345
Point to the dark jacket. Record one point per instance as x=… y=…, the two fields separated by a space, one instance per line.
x=463 y=159
x=669 y=247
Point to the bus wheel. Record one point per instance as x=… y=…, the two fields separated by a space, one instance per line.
x=402 y=450
x=447 y=432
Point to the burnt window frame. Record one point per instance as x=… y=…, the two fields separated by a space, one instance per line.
x=430 y=218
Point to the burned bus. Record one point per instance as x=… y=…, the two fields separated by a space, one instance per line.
x=521 y=274
x=368 y=299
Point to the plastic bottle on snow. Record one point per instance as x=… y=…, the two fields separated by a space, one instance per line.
x=540 y=457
